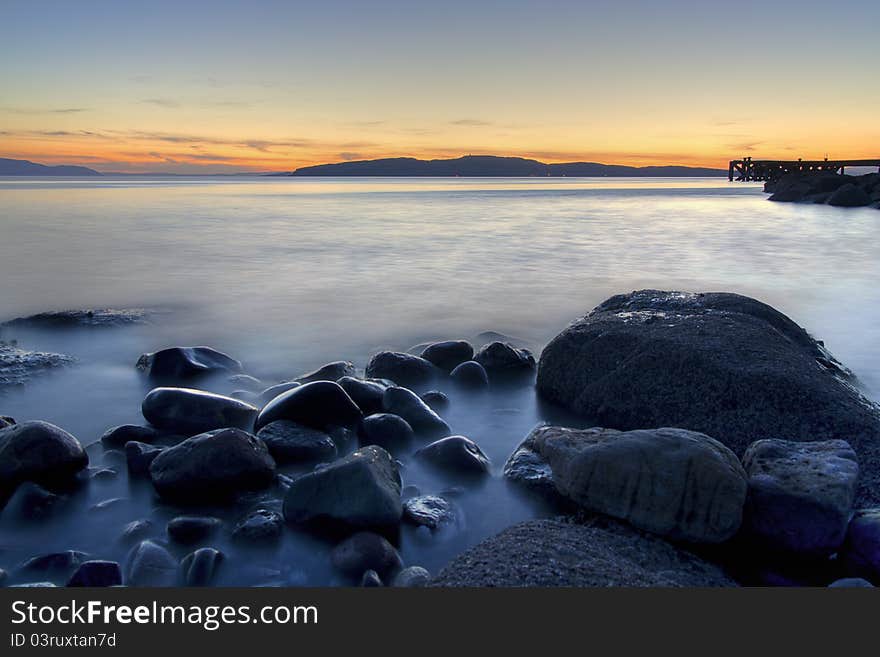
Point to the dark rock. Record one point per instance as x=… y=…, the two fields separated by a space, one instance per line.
x=794 y=191
x=676 y=483
x=503 y=362
x=800 y=494
x=437 y=401
x=107 y=504
x=558 y=553
x=180 y=363
x=215 y=466
x=366 y=551
x=188 y=530
x=31 y=502
x=136 y=530
x=320 y=404
x=329 y=372
x=457 y=455
x=102 y=474
x=411 y=577
x=91 y=318
x=252 y=398
x=449 y=354
x=470 y=374
x=722 y=364
x=6 y=421
x=389 y=431
x=290 y=442
x=96 y=573
x=403 y=369
x=199 y=568
x=54 y=564
x=188 y=411
x=4 y=577
x=139 y=457
x=272 y=392
x=118 y=436
x=849 y=196
x=39 y=452
x=359 y=491
x=431 y=511
x=861 y=549
x=371 y=579
x=851 y=583
x=417 y=413
x=150 y=564
x=366 y=394
x=17 y=366
x=259 y=526
x=246 y=382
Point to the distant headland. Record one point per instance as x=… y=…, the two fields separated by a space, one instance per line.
x=495 y=166
x=26 y=168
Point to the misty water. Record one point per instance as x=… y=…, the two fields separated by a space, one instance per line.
x=288 y=274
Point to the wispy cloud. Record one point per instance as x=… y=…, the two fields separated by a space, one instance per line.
x=471 y=123
x=44 y=110
x=161 y=102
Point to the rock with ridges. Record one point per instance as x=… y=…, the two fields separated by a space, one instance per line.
x=408 y=405
x=404 y=369
x=800 y=494
x=39 y=452
x=411 y=577
x=178 y=363
x=150 y=564
x=431 y=511
x=389 y=431
x=449 y=354
x=290 y=442
x=366 y=551
x=188 y=411
x=320 y=405
x=503 y=361
x=214 y=466
x=679 y=484
x=96 y=573
x=455 y=454
x=17 y=366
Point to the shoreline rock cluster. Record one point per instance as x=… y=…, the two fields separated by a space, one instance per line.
x=826 y=188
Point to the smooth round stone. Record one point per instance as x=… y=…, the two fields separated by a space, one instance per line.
x=139 y=456
x=423 y=420
x=136 y=530
x=39 y=452
x=272 y=392
x=186 y=363
x=449 y=354
x=150 y=564
x=366 y=394
x=851 y=583
x=365 y=551
x=118 y=436
x=291 y=442
x=386 y=430
x=402 y=368
x=199 y=568
x=431 y=511
x=320 y=404
x=456 y=454
x=54 y=564
x=188 y=530
x=96 y=573
x=470 y=374
x=259 y=526
x=188 y=411
x=437 y=401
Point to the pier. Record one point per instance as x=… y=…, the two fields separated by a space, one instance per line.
x=749 y=170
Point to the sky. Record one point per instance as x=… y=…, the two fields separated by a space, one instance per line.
x=190 y=86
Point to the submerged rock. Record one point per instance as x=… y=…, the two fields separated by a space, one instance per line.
x=679 y=484
x=136 y=530
x=449 y=354
x=54 y=564
x=371 y=579
x=188 y=411
x=404 y=369
x=97 y=573
x=366 y=551
x=150 y=564
x=30 y=502
x=290 y=442
x=188 y=530
x=503 y=361
x=39 y=452
x=259 y=526
x=320 y=405
x=329 y=372
x=721 y=364
x=408 y=405
x=272 y=392
x=437 y=401
x=17 y=366
x=213 y=467
x=139 y=456
x=118 y=436
x=360 y=491
x=199 y=568
x=559 y=553
x=457 y=455
x=246 y=382
x=470 y=374
x=389 y=431
x=181 y=363
x=800 y=494
x=91 y=318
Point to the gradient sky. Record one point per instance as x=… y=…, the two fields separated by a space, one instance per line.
x=188 y=86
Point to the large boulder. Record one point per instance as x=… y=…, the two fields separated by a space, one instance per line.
x=188 y=411
x=679 y=484
x=360 y=491
x=449 y=354
x=213 y=467
x=420 y=416
x=849 y=196
x=290 y=442
x=722 y=364
x=800 y=494
x=560 y=553
x=404 y=369
x=320 y=405
x=181 y=363
x=39 y=452
x=502 y=361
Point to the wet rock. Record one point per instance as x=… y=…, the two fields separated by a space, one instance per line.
x=503 y=361
x=34 y=585
x=181 y=363
x=329 y=372
x=136 y=530
x=215 y=467
x=6 y=421
x=366 y=551
x=150 y=564
x=431 y=511
x=558 y=553
x=470 y=374
x=139 y=457
x=17 y=366
x=91 y=318
x=849 y=196
x=247 y=396
x=188 y=411
x=366 y=394
x=359 y=491
x=404 y=369
x=54 y=564
x=411 y=577
x=290 y=442
x=861 y=549
x=31 y=502
x=437 y=401
x=246 y=382
x=39 y=452
x=320 y=405
x=199 y=568
x=389 y=431
x=457 y=455
x=679 y=484
x=105 y=505
x=526 y=467
x=259 y=526
x=721 y=364
x=800 y=495
x=449 y=354
x=851 y=583
x=371 y=579
x=102 y=474
x=96 y=573
x=189 y=530
x=272 y=392
x=417 y=413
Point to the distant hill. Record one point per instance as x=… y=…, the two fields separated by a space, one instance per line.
x=25 y=168
x=493 y=166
